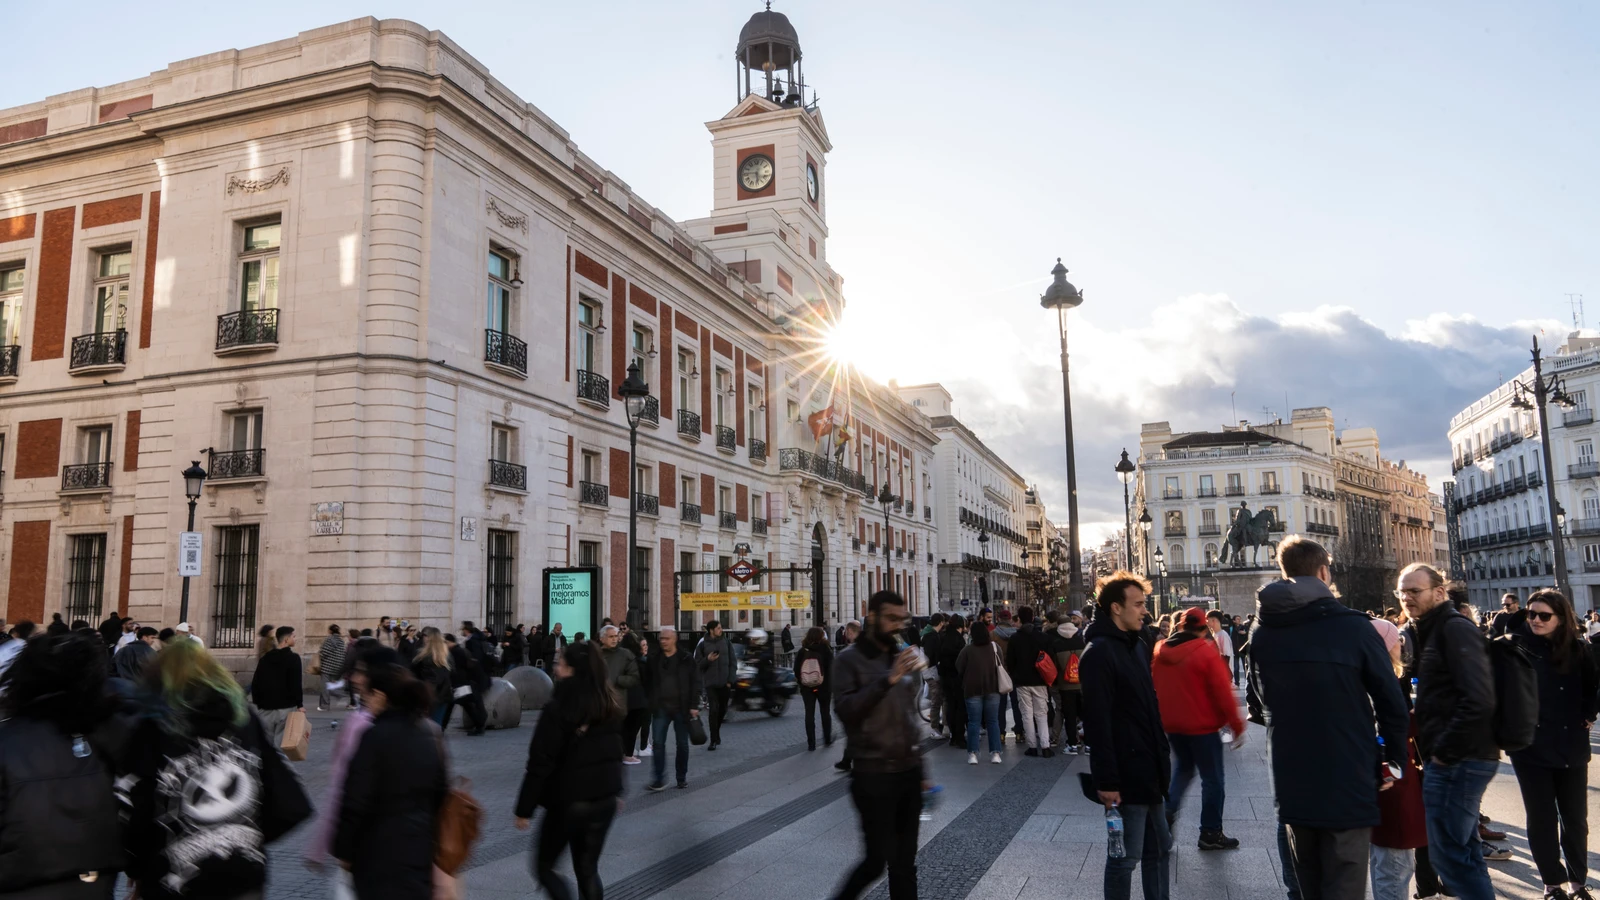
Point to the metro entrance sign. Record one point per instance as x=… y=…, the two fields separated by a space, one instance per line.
x=742 y=571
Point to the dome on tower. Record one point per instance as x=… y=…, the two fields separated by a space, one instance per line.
x=768 y=38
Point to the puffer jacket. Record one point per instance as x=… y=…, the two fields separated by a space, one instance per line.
x=569 y=761
x=1121 y=718
x=1567 y=700
x=880 y=719
x=1455 y=689
x=58 y=814
x=1194 y=687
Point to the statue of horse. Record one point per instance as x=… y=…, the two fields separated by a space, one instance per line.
x=1249 y=531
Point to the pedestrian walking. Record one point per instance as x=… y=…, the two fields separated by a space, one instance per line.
x=979 y=665
x=553 y=644
x=111 y=630
x=575 y=767
x=1221 y=635
x=787 y=639
x=813 y=671
x=276 y=690
x=622 y=668
x=714 y=657
x=1000 y=631
x=1321 y=682
x=672 y=680
x=1511 y=619
x=468 y=681
x=1552 y=772
x=318 y=855
x=513 y=649
x=1033 y=695
x=1193 y=685
x=1066 y=646
x=947 y=649
x=1455 y=710
x=1400 y=842
x=330 y=666
x=931 y=641
x=395 y=784
x=205 y=789
x=432 y=666
x=132 y=660
x=59 y=749
x=636 y=742
x=1129 y=758
x=876 y=688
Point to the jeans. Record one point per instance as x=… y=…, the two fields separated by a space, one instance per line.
x=954 y=707
x=1331 y=864
x=633 y=730
x=581 y=826
x=718 y=701
x=984 y=707
x=890 y=807
x=679 y=720
x=1451 y=795
x=272 y=722
x=815 y=700
x=1391 y=873
x=1203 y=752
x=1550 y=796
x=1147 y=844
x=1034 y=701
x=1291 y=878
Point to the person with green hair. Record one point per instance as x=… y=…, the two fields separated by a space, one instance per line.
x=206 y=790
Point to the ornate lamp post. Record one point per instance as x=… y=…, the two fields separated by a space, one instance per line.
x=983 y=571
x=1062 y=296
x=634 y=394
x=1145 y=524
x=194 y=478
x=1161 y=581
x=1125 y=470
x=886 y=497
x=1546 y=391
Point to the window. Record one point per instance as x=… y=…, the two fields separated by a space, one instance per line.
x=111 y=290
x=1585 y=452
x=1591 y=554
x=591 y=467
x=722 y=387
x=1208 y=518
x=641 y=578
x=725 y=499
x=499 y=601
x=642 y=473
x=588 y=553
x=12 y=281
x=1211 y=556
x=1208 y=488
x=258 y=266
x=644 y=350
x=1580 y=399
x=686 y=490
x=755 y=408
x=499 y=289
x=723 y=562
x=245 y=429
x=502 y=444
x=1591 y=506
x=686 y=375
x=590 y=327
x=233 y=622
x=1172 y=486
x=94 y=444
x=86 y=575
x=683 y=583
x=1176 y=556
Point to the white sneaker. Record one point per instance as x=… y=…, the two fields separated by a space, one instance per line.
x=972 y=759
x=995 y=758
x=645 y=752
x=631 y=760
x=1070 y=750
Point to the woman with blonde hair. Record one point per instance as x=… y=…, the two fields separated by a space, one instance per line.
x=432 y=667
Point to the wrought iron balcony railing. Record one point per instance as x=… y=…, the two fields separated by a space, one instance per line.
x=1586 y=526
x=1210 y=530
x=725 y=438
x=237 y=464
x=593 y=494
x=728 y=520
x=1176 y=531
x=1172 y=494
x=86 y=477
x=1578 y=417
x=651 y=414
x=1587 y=468
x=1271 y=489
x=505 y=350
x=689 y=424
x=758 y=525
x=10 y=360
x=247 y=328
x=508 y=474
x=758 y=449
x=1318 y=528
x=689 y=513
x=103 y=348
x=1206 y=492
x=647 y=504
x=1235 y=490
x=855 y=543
x=594 y=388
x=791 y=459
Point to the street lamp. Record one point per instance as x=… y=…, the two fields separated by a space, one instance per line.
x=1546 y=391
x=1062 y=296
x=886 y=497
x=983 y=571
x=194 y=478
x=634 y=394
x=1161 y=577
x=1125 y=475
x=1145 y=524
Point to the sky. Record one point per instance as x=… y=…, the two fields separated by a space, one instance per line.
x=1368 y=206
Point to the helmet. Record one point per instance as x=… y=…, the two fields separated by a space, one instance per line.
x=756 y=636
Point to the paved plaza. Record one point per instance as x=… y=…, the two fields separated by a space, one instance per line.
x=762 y=817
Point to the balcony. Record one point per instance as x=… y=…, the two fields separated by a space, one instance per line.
x=505 y=352
x=899 y=553
x=727 y=521
x=1318 y=528
x=593 y=494
x=1591 y=566
x=1210 y=530
x=1206 y=492
x=247 y=331
x=1172 y=494
x=791 y=459
x=99 y=352
x=689 y=513
x=10 y=359
x=1176 y=531
x=725 y=439
x=1277 y=527
x=647 y=504
x=594 y=388
x=86 y=477
x=651 y=414
x=1235 y=490
x=872 y=548
x=758 y=450
x=1587 y=468
x=1271 y=489
x=688 y=424
x=927 y=514
x=1586 y=526
x=758 y=525
x=236 y=464
x=1578 y=417
x=855 y=543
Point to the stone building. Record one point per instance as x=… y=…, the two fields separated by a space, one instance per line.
x=389 y=305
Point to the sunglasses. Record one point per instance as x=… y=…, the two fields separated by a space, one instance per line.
x=1541 y=616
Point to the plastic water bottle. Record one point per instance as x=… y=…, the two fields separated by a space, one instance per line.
x=1114 y=846
x=930 y=802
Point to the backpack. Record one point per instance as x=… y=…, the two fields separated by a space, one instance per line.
x=1071 y=674
x=811 y=673
x=1046 y=667
x=1516 y=694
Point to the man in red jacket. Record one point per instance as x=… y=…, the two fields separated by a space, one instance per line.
x=1196 y=696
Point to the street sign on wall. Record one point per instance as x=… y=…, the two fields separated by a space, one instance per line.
x=770 y=601
x=190 y=548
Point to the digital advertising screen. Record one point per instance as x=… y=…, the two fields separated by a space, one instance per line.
x=572 y=598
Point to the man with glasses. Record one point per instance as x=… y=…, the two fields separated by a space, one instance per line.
x=1454 y=714
x=1512 y=618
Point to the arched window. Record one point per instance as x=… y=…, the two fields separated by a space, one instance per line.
x=1176 y=556
x=1211 y=556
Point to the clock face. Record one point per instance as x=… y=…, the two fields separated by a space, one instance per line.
x=811 y=182
x=755 y=173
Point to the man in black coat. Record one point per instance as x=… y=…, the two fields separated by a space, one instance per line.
x=1511 y=619
x=1129 y=757
x=1033 y=695
x=950 y=642
x=672 y=683
x=1318 y=673
x=276 y=689
x=477 y=646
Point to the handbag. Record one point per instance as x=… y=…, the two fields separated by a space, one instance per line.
x=459 y=821
x=296 y=742
x=697 y=731
x=1000 y=667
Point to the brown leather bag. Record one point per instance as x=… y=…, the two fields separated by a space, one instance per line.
x=460 y=820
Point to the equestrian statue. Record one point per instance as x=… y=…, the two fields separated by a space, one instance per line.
x=1252 y=531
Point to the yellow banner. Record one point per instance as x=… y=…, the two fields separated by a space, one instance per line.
x=767 y=600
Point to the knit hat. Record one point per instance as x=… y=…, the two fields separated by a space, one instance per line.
x=1387 y=630
x=1194 y=618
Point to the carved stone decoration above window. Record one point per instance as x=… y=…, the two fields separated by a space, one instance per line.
x=507 y=219
x=257 y=185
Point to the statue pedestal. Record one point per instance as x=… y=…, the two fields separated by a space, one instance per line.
x=1234 y=589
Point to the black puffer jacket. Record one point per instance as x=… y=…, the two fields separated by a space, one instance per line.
x=1455 y=689
x=568 y=762
x=1567 y=700
x=1121 y=719
x=58 y=815
x=387 y=815
x=1021 y=653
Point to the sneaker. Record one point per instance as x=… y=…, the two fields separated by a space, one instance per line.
x=1556 y=893
x=1031 y=751
x=631 y=760
x=656 y=787
x=1582 y=893
x=1485 y=833
x=712 y=745
x=1216 y=840
x=1046 y=752
x=1070 y=750
x=995 y=758
x=644 y=752
x=958 y=743
x=683 y=785
x=972 y=759
x=1497 y=853
x=842 y=765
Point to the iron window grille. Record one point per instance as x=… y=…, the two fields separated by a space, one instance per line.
x=689 y=424
x=86 y=575
x=10 y=359
x=86 y=477
x=500 y=595
x=689 y=512
x=505 y=350
x=594 y=387
x=233 y=623
x=105 y=348
x=247 y=327
x=508 y=474
x=237 y=464
x=593 y=494
x=725 y=438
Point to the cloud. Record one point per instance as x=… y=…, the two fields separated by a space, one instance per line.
x=1202 y=362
